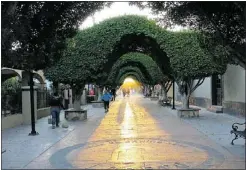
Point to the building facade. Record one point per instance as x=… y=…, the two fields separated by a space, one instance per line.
x=225 y=91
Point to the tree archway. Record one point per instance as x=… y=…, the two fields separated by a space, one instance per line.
x=96 y=49
x=144 y=62
x=127 y=69
x=133 y=75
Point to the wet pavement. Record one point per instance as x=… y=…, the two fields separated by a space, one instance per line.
x=136 y=133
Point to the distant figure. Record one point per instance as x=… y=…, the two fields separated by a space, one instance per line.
x=128 y=92
x=124 y=92
x=106 y=98
x=113 y=92
x=55 y=108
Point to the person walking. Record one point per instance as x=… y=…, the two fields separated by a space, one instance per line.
x=113 y=92
x=106 y=98
x=55 y=108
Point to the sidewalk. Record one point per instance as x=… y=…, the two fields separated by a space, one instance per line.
x=216 y=126
x=21 y=149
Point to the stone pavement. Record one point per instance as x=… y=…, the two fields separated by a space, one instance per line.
x=21 y=149
x=217 y=126
x=135 y=133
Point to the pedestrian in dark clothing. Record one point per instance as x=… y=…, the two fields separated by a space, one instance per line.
x=113 y=93
x=55 y=108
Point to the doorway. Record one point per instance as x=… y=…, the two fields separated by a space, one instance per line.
x=217 y=90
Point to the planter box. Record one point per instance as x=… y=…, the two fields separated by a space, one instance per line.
x=154 y=98
x=11 y=121
x=73 y=115
x=192 y=112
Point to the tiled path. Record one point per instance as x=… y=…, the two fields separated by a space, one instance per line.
x=135 y=133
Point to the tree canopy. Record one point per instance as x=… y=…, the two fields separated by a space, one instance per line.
x=144 y=62
x=90 y=55
x=224 y=21
x=33 y=33
x=131 y=69
x=132 y=75
x=105 y=43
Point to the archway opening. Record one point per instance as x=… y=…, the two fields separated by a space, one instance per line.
x=131 y=86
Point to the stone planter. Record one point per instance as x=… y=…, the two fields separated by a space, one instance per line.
x=192 y=112
x=72 y=115
x=154 y=98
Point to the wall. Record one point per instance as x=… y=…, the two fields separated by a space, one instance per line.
x=234 y=90
x=43 y=112
x=12 y=121
x=170 y=92
x=202 y=95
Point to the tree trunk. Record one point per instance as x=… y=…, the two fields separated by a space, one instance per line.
x=164 y=94
x=185 y=101
x=83 y=97
x=99 y=94
x=76 y=103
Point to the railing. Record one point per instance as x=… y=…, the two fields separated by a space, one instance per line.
x=11 y=103
x=43 y=97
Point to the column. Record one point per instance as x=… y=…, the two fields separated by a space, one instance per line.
x=26 y=104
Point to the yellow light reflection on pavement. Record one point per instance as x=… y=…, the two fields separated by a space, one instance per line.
x=128 y=124
x=124 y=140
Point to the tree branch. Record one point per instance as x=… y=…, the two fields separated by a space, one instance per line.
x=200 y=81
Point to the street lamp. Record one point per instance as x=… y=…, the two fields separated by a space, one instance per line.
x=173 y=95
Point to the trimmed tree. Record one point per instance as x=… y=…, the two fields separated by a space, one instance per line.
x=94 y=50
x=212 y=18
x=144 y=62
x=131 y=69
x=131 y=74
x=195 y=63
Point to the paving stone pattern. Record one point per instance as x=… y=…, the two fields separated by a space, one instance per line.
x=136 y=133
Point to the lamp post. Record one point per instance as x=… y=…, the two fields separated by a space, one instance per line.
x=173 y=95
x=33 y=132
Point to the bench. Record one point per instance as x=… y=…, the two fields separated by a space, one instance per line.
x=192 y=112
x=237 y=133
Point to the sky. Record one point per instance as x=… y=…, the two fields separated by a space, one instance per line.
x=119 y=9
x=116 y=9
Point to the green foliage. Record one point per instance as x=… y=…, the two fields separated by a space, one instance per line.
x=37 y=30
x=10 y=86
x=94 y=50
x=91 y=54
x=11 y=95
x=132 y=75
x=145 y=63
x=130 y=69
x=213 y=18
x=190 y=60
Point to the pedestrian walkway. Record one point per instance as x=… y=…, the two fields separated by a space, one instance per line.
x=135 y=133
x=217 y=126
x=21 y=149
